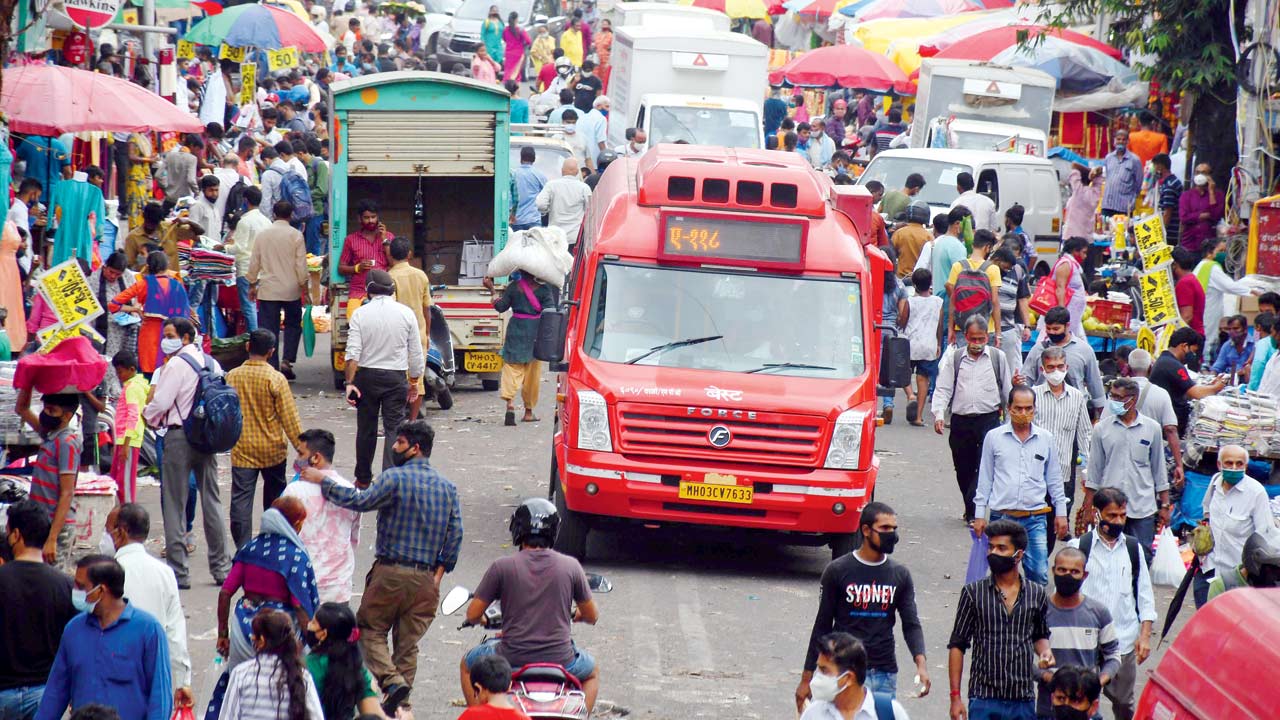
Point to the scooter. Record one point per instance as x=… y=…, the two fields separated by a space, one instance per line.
x=543 y=691
x=440 y=365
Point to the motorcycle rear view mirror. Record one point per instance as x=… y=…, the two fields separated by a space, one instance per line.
x=454 y=600
x=599 y=583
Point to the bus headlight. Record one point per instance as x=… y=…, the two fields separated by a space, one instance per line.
x=593 y=422
x=846 y=440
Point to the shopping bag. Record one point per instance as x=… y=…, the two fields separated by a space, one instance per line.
x=1166 y=567
x=183 y=713
x=308 y=333
x=1045 y=296
x=977 y=558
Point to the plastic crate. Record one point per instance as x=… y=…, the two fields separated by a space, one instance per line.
x=1111 y=313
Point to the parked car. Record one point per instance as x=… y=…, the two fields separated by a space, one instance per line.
x=457 y=41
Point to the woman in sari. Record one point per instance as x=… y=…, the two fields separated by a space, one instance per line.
x=157 y=296
x=516 y=43
x=137 y=190
x=274 y=572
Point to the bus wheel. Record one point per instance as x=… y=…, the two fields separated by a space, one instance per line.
x=841 y=543
x=572 y=538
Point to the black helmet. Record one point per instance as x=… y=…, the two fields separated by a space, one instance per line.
x=605 y=157
x=1261 y=560
x=918 y=212
x=535 y=517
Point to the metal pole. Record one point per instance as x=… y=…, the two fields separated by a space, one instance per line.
x=148 y=39
x=144 y=30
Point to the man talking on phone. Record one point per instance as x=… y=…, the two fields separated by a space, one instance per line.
x=368 y=248
x=383 y=348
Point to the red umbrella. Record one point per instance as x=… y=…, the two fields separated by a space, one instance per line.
x=52 y=100
x=988 y=43
x=817 y=8
x=846 y=66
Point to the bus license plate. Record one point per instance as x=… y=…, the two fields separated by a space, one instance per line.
x=716 y=493
x=482 y=362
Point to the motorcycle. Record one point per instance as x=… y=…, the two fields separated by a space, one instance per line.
x=542 y=691
x=439 y=378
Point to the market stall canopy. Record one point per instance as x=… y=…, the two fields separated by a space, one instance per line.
x=262 y=26
x=878 y=9
x=898 y=39
x=1077 y=68
x=750 y=9
x=52 y=100
x=988 y=43
x=845 y=66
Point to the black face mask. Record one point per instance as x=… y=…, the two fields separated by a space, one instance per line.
x=1067 y=585
x=1066 y=712
x=888 y=540
x=1191 y=360
x=310 y=639
x=1110 y=530
x=49 y=423
x=400 y=458
x=1000 y=564
x=1056 y=338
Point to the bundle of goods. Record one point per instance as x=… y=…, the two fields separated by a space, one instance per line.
x=213 y=266
x=1247 y=418
x=541 y=252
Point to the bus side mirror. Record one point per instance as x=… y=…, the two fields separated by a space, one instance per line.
x=548 y=346
x=895 y=362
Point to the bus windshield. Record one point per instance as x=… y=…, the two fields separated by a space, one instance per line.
x=733 y=322
x=704 y=126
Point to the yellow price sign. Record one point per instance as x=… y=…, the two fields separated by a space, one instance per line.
x=282 y=59
x=67 y=291
x=1158 y=302
x=234 y=54
x=1148 y=234
x=1146 y=340
x=248 y=83
x=53 y=335
x=186 y=50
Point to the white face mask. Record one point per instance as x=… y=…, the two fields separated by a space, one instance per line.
x=825 y=687
x=106 y=545
x=169 y=346
x=1056 y=377
x=570 y=129
x=1200 y=179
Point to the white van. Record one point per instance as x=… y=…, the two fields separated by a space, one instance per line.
x=651 y=13
x=1006 y=178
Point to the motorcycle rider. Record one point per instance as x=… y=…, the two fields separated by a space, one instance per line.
x=538 y=588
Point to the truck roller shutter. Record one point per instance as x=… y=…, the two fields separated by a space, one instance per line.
x=399 y=143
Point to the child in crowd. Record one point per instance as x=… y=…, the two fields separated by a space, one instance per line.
x=491 y=677
x=130 y=427
x=924 y=331
x=54 y=473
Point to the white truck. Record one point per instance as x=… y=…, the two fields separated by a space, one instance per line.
x=683 y=83
x=970 y=105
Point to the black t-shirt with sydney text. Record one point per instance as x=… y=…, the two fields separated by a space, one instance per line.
x=1169 y=373
x=585 y=92
x=861 y=599
x=35 y=604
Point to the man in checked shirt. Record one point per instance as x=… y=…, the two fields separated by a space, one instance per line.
x=419 y=537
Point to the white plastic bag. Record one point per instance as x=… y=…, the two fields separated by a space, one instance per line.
x=541 y=252
x=1166 y=567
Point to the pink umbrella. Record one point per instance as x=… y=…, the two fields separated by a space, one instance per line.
x=986 y=44
x=52 y=100
x=846 y=66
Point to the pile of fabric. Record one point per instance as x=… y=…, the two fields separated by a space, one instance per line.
x=1248 y=419
x=213 y=266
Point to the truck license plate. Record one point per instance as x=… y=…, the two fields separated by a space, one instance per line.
x=482 y=362
x=716 y=493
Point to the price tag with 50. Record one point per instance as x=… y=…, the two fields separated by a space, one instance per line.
x=186 y=50
x=234 y=54
x=282 y=58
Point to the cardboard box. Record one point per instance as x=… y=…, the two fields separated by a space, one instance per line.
x=1247 y=305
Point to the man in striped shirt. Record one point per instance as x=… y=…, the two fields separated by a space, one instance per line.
x=1080 y=629
x=1003 y=618
x=1063 y=411
x=53 y=474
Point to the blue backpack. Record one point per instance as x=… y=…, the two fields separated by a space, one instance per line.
x=214 y=423
x=293 y=187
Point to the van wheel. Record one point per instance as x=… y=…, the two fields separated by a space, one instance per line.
x=490 y=385
x=841 y=544
x=572 y=538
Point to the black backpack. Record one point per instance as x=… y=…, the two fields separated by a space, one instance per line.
x=236 y=205
x=1135 y=557
x=214 y=422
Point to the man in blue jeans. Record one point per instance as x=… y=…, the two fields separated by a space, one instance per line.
x=37 y=604
x=1019 y=468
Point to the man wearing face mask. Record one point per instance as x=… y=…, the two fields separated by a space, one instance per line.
x=136 y=680
x=1170 y=372
x=861 y=592
x=1127 y=452
x=36 y=599
x=1082 y=364
x=1117 y=575
x=1074 y=693
x=1217 y=284
x=1235 y=507
x=1003 y=619
x=1235 y=356
x=419 y=538
x=1018 y=470
x=840 y=689
x=1062 y=411
x=149 y=586
x=1155 y=403
x=53 y=475
x=1122 y=173
x=1081 y=633
x=1200 y=208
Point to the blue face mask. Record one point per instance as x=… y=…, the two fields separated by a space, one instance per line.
x=80 y=601
x=604 y=113
x=1231 y=477
x=1117 y=407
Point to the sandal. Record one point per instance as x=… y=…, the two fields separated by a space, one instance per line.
x=531 y=418
x=510 y=419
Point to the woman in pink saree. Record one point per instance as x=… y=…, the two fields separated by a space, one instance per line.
x=516 y=44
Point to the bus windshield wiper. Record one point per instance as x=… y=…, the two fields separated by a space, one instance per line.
x=802 y=366
x=673 y=345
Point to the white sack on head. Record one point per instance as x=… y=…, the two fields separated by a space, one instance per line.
x=542 y=252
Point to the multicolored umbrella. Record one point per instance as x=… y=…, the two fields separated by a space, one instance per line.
x=53 y=99
x=817 y=8
x=1077 y=68
x=845 y=66
x=751 y=9
x=262 y=26
x=876 y=9
x=986 y=44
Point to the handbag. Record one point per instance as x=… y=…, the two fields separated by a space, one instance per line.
x=1045 y=296
x=308 y=333
x=977 y=558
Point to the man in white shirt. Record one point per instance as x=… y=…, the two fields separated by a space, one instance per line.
x=27 y=196
x=984 y=211
x=383 y=348
x=577 y=143
x=330 y=533
x=1112 y=559
x=1155 y=403
x=203 y=210
x=635 y=146
x=1235 y=507
x=272 y=176
x=564 y=201
x=592 y=129
x=240 y=245
x=228 y=177
x=149 y=585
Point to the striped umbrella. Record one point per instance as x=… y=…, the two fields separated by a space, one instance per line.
x=262 y=26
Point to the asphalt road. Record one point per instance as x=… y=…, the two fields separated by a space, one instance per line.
x=697 y=625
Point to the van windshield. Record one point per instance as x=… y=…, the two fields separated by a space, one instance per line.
x=732 y=322
x=939 y=176
x=479 y=9
x=704 y=126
